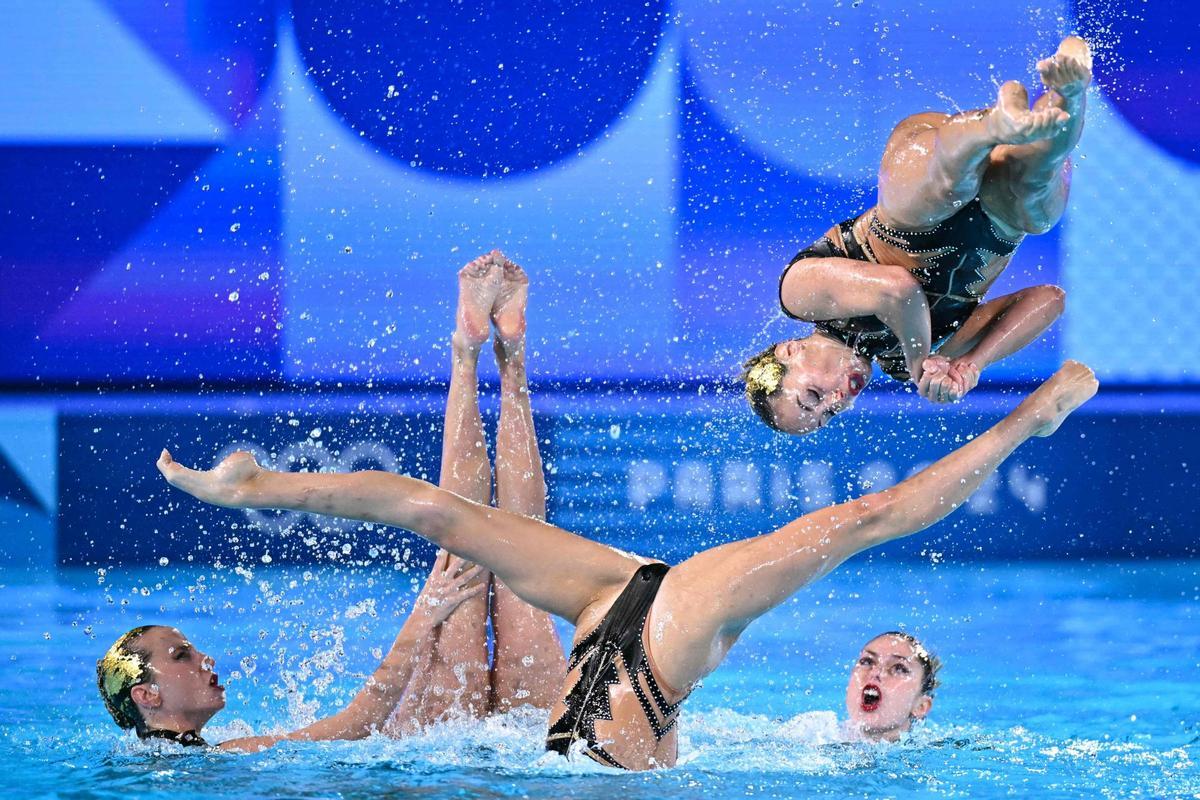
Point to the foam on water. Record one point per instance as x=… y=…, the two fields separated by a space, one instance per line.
x=723 y=752
x=1033 y=704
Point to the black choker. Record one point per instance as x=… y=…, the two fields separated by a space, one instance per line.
x=187 y=738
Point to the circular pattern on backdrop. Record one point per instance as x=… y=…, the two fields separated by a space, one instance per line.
x=818 y=87
x=1148 y=64
x=478 y=91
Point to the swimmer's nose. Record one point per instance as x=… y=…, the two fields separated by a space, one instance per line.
x=208 y=664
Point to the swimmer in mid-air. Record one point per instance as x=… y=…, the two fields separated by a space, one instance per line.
x=645 y=632
x=153 y=680
x=957 y=194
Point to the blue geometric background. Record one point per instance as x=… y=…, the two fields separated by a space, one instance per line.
x=252 y=192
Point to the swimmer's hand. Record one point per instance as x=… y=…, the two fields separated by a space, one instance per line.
x=231 y=484
x=930 y=367
x=451 y=582
x=945 y=381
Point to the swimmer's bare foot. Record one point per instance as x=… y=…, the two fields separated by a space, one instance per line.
x=1012 y=122
x=1066 y=390
x=1069 y=71
x=230 y=484
x=478 y=284
x=508 y=313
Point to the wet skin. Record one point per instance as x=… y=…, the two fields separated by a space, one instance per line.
x=183 y=692
x=884 y=694
x=821 y=380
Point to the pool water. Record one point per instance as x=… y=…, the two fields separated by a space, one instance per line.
x=1061 y=680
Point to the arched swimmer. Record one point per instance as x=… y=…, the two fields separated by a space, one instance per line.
x=902 y=284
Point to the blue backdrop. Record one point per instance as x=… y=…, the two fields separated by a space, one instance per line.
x=678 y=476
x=281 y=191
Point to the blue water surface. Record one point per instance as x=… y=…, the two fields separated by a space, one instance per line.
x=1061 y=680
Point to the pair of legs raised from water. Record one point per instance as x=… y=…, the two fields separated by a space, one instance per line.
x=703 y=604
x=527 y=664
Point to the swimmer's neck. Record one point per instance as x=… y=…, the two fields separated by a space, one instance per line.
x=177 y=722
x=827 y=340
x=881 y=734
x=186 y=738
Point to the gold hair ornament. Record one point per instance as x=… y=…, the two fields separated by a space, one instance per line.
x=121 y=669
x=765 y=375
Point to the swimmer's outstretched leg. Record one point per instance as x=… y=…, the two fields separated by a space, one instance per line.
x=707 y=601
x=457 y=681
x=528 y=665
x=1026 y=185
x=549 y=568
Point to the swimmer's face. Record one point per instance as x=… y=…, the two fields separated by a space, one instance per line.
x=884 y=695
x=821 y=380
x=183 y=686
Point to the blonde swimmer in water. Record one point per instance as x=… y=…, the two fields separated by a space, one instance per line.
x=153 y=680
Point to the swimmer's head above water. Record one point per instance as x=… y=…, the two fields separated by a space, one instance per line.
x=153 y=680
x=891 y=686
x=799 y=385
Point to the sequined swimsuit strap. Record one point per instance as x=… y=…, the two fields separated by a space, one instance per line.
x=185 y=738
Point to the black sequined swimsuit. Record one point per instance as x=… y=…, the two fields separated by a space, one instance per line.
x=955 y=253
x=614 y=646
x=185 y=738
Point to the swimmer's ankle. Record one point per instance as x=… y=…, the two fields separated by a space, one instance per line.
x=463 y=346
x=510 y=355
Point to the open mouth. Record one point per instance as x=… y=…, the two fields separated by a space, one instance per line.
x=214 y=682
x=871 y=697
x=856 y=383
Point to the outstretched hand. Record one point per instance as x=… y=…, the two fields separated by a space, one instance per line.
x=451 y=582
x=230 y=484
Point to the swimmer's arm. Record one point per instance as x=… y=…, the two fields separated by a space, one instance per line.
x=994 y=331
x=450 y=584
x=839 y=288
x=1001 y=327
x=370 y=708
